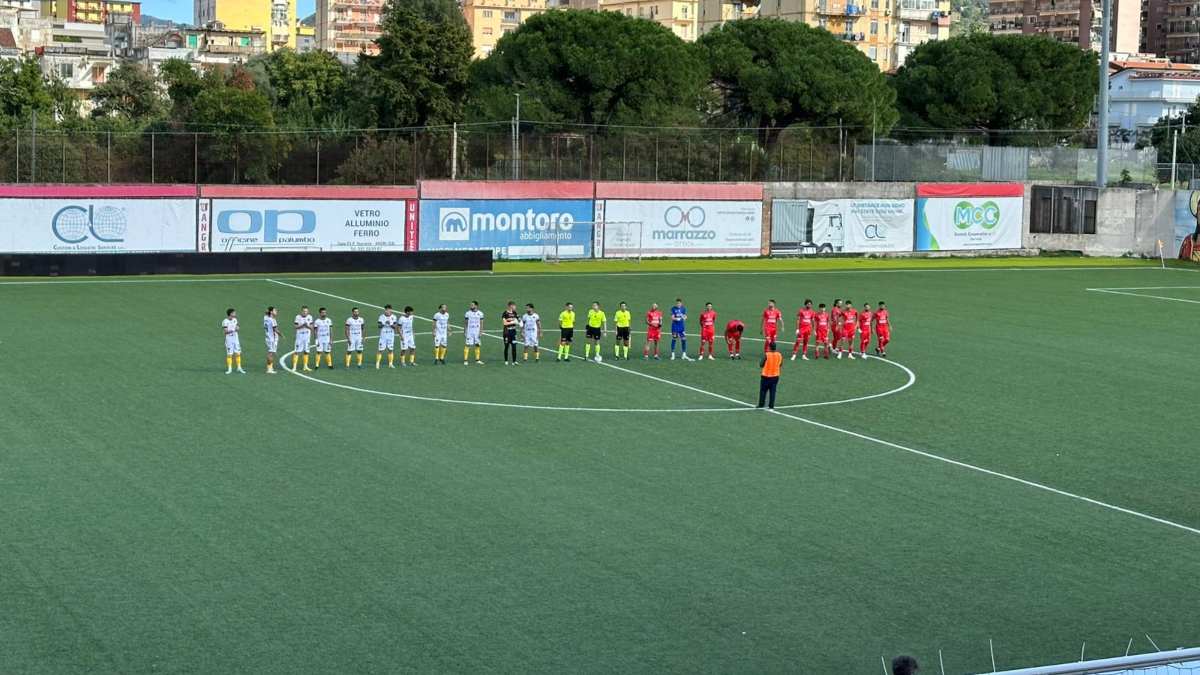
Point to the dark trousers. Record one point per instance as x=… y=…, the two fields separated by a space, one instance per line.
x=765 y=386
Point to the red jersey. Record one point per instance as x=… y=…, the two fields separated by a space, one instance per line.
x=822 y=321
x=771 y=319
x=734 y=328
x=708 y=320
x=654 y=318
x=848 y=318
x=836 y=314
x=804 y=319
x=864 y=320
x=881 y=319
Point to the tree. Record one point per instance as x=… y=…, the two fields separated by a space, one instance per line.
x=24 y=90
x=590 y=68
x=992 y=82
x=970 y=16
x=131 y=93
x=184 y=84
x=420 y=75
x=1162 y=136
x=773 y=74
x=239 y=128
x=306 y=90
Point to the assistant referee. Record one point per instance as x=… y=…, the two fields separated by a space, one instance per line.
x=771 y=362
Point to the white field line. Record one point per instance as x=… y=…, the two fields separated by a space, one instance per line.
x=1111 y=291
x=490 y=275
x=889 y=444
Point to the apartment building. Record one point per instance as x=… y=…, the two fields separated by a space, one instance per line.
x=347 y=28
x=1172 y=29
x=884 y=30
x=681 y=17
x=1073 y=21
x=275 y=18
x=90 y=11
x=714 y=13
x=491 y=19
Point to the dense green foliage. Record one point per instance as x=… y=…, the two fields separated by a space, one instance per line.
x=591 y=68
x=987 y=82
x=1187 y=150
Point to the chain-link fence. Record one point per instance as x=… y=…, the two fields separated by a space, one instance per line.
x=558 y=152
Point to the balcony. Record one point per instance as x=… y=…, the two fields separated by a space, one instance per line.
x=841 y=10
x=853 y=37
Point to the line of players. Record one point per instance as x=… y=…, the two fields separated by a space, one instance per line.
x=832 y=332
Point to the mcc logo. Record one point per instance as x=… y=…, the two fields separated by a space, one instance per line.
x=968 y=215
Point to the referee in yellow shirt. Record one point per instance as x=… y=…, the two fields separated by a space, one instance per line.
x=597 y=326
x=622 y=319
x=566 y=324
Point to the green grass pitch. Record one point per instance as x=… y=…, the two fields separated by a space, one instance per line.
x=159 y=515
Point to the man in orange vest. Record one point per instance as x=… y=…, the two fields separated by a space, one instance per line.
x=770 y=364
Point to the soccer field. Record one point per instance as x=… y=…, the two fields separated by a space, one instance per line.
x=1021 y=470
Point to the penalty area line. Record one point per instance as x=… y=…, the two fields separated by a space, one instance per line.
x=864 y=437
x=1112 y=291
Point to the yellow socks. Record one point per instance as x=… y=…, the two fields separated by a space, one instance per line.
x=228 y=363
x=238 y=359
x=360 y=358
x=306 y=359
x=347 y=359
x=391 y=358
x=587 y=350
x=478 y=351
x=378 y=359
x=466 y=353
x=412 y=358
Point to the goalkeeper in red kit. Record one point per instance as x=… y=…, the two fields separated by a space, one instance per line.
x=733 y=338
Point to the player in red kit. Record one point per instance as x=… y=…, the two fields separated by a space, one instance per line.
x=804 y=327
x=733 y=338
x=849 y=325
x=708 y=330
x=865 y=317
x=883 y=330
x=835 y=322
x=653 y=330
x=772 y=321
x=822 y=320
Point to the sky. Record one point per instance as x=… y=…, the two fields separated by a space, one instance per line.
x=181 y=10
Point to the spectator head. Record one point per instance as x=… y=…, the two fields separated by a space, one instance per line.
x=904 y=665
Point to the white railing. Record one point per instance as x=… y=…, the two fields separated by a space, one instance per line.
x=1141 y=664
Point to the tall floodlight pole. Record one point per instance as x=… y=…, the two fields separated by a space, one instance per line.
x=516 y=141
x=1102 y=131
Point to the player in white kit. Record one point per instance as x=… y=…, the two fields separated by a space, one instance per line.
x=324 y=326
x=354 y=337
x=303 y=323
x=474 y=331
x=531 y=326
x=441 y=334
x=387 y=337
x=233 y=344
x=271 y=328
x=408 y=343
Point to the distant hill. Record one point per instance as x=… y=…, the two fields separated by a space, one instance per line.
x=310 y=20
x=151 y=20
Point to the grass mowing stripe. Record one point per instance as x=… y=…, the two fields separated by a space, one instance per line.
x=855 y=434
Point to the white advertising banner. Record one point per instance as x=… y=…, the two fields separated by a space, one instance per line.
x=863 y=225
x=308 y=225
x=969 y=223
x=86 y=225
x=675 y=228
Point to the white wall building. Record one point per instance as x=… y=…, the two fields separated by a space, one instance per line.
x=1142 y=93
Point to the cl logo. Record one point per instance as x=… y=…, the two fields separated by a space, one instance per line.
x=872 y=232
x=676 y=216
x=271 y=223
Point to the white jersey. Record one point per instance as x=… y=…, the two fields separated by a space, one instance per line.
x=324 y=335
x=354 y=332
x=530 y=323
x=406 y=332
x=387 y=332
x=303 y=324
x=233 y=344
x=441 y=328
x=474 y=319
x=271 y=328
